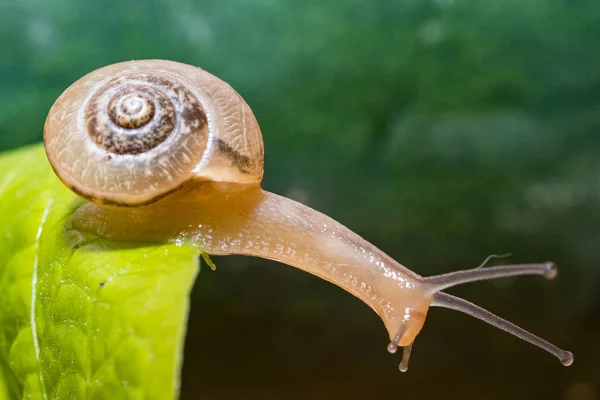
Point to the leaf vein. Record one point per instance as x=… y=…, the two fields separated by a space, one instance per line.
x=34 y=279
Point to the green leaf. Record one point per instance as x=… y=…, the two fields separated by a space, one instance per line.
x=80 y=316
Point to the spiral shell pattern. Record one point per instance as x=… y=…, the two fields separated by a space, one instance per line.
x=126 y=139
x=130 y=133
x=135 y=113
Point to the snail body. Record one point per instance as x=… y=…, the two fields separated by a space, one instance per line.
x=168 y=152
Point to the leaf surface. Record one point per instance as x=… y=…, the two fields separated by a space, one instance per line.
x=80 y=316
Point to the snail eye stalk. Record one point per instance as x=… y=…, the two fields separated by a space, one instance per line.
x=455 y=303
x=441 y=299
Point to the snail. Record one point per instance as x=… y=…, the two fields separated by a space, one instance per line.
x=166 y=151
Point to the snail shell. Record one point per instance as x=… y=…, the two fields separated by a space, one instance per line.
x=131 y=133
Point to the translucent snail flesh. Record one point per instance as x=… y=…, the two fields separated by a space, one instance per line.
x=166 y=151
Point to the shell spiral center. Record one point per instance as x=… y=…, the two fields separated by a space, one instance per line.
x=131 y=111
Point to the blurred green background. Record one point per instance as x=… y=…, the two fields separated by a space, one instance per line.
x=442 y=131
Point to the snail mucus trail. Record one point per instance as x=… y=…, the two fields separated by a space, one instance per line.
x=165 y=152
